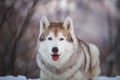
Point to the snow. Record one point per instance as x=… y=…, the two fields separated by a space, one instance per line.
x=107 y=78
x=34 y=79
x=20 y=77
x=9 y=77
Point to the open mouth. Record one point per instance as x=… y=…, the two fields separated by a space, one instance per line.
x=55 y=57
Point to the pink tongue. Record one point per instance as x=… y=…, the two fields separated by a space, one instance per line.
x=55 y=57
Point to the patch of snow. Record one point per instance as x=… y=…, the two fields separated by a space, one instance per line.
x=13 y=77
x=107 y=78
x=24 y=78
x=35 y=79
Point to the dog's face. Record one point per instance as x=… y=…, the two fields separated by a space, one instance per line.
x=56 y=40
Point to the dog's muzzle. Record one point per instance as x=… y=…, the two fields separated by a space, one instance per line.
x=55 y=56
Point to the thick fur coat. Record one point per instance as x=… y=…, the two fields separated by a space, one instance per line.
x=62 y=56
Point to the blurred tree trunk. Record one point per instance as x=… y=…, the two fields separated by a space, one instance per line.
x=114 y=42
x=12 y=29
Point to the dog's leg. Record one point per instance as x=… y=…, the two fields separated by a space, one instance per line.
x=95 y=61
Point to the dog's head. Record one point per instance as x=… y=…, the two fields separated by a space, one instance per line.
x=56 y=40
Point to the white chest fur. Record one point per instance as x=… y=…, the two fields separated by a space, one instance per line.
x=77 y=76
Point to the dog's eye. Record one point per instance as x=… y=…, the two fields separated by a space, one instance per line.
x=61 y=39
x=49 y=38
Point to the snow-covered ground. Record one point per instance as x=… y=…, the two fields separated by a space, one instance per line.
x=24 y=78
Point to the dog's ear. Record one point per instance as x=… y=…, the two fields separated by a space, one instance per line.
x=44 y=23
x=68 y=24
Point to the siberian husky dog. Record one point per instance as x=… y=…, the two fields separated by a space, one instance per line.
x=62 y=56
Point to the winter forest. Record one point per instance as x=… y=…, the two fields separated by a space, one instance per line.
x=95 y=21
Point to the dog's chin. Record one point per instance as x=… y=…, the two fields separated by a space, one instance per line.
x=55 y=56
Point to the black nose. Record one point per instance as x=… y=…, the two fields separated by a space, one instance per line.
x=54 y=49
